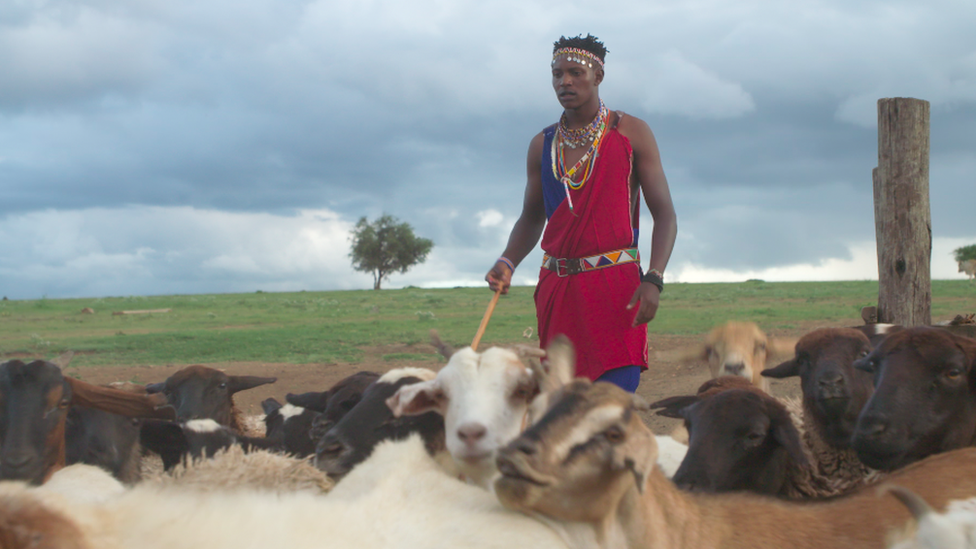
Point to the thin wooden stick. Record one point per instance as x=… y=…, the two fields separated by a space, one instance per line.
x=484 y=320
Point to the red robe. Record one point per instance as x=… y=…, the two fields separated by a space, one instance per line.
x=590 y=307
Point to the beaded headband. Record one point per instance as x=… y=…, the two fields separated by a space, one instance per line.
x=578 y=55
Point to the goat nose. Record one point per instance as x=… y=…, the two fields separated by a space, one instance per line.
x=471 y=433
x=735 y=368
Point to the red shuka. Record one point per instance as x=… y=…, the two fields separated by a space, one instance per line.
x=591 y=307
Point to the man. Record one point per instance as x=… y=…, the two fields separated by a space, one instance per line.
x=585 y=177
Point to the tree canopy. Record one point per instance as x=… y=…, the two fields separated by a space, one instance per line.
x=965 y=252
x=386 y=246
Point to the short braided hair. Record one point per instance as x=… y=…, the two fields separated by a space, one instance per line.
x=590 y=44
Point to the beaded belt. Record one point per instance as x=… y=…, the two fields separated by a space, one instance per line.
x=571 y=266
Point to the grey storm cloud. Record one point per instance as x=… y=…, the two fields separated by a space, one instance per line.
x=213 y=123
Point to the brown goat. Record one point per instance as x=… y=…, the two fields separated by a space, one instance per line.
x=199 y=392
x=735 y=349
x=34 y=399
x=588 y=466
x=924 y=400
x=741 y=438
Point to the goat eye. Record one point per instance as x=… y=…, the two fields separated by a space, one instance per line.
x=755 y=437
x=614 y=435
x=760 y=346
x=64 y=403
x=953 y=374
x=222 y=385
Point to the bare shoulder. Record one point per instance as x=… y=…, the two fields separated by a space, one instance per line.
x=634 y=129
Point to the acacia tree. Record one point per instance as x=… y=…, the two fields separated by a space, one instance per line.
x=386 y=246
x=964 y=253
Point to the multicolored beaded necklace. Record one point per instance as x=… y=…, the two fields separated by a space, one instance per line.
x=593 y=133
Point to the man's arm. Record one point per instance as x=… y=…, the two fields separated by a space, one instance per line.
x=657 y=196
x=528 y=228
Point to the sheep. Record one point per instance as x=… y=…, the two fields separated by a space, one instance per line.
x=924 y=399
x=234 y=467
x=353 y=438
x=409 y=503
x=307 y=416
x=955 y=528
x=736 y=349
x=196 y=439
x=969 y=267
x=834 y=393
x=741 y=439
x=199 y=392
x=290 y=427
x=34 y=402
x=748 y=442
x=588 y=469
x=484 y=399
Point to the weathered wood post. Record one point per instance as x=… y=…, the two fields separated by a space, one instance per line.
x=903 y=220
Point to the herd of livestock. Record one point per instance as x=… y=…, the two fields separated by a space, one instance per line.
x=506 y=448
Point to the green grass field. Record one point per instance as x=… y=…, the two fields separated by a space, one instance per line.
x=333 y=327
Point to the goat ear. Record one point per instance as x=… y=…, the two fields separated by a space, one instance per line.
x=417 y=398
x=560 y=368
x=444 y=349
x=790 y=368
x=786 y=434
x=270 y=405
x=316 y=402
x=242 y=383
x=672 y=406
x=638 y=454
x=153 y=388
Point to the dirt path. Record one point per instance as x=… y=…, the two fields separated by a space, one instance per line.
x=661 y=380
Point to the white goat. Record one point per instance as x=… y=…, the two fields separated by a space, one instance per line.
x=411 y=503
x=484 y=398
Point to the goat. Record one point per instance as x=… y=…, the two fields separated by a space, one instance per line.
x=290 y=427
x=409 y=503
x=834 y=393
x=741 y=438
x=330 y=405
x=736 y=349
x=34 y=402
x=924 y=400
x=199 y=392
x=588 y=469
x=352 y=438
x=484 y=399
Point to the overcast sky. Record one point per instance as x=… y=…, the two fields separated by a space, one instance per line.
x=189 y=146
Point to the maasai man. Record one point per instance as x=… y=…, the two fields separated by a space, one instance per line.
x=585 y=177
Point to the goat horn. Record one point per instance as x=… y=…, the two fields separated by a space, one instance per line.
x=917 y=506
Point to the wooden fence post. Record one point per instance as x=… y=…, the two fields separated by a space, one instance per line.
x=903 y=219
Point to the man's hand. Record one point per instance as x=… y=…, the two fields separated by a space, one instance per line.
x=646 y=298
x=500 y=276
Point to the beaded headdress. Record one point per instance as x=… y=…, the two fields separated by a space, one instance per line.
x=578 y=55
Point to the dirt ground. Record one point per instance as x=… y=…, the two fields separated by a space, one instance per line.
x=661 y=380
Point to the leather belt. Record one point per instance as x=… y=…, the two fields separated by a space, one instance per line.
x=571 y=266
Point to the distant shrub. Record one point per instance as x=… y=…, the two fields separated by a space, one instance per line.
x=964 y=253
